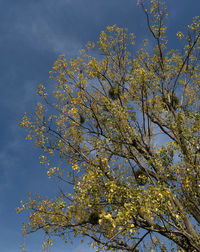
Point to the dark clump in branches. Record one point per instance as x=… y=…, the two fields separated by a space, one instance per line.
x=94 y=218
x=114 y=92
x=141 y=177
x=82 y=119
x=171 y=101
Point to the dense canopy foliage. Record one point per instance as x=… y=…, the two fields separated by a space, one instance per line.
x=123 y=129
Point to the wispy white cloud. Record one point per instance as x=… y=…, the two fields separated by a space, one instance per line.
x=39 y=34
x=47 y=39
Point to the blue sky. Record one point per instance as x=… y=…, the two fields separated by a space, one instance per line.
x=32 y=35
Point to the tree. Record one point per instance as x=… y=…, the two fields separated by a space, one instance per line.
x=127 y=126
